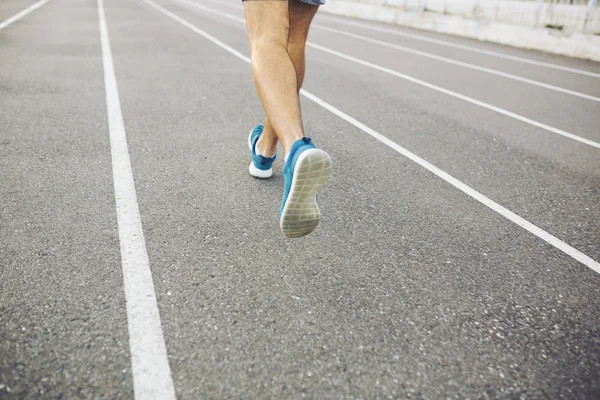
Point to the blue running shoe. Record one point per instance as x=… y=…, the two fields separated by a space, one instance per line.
x=306 y=170
x=261 y=167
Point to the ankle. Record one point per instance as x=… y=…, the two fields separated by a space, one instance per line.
x=287 y=146
x=266 y=149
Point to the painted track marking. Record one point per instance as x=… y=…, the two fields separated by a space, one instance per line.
x=149 y=362
x=23 y=13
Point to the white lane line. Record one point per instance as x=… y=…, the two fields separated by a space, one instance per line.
x=464 y=47
x=468 y=99
x=409 y=78
x=212 y=11
x=460 y=63
x=149 y=363
x=23 y=13
x=540 y=233
x=198 y=31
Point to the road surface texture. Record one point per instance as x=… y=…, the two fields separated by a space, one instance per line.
x=457 y=256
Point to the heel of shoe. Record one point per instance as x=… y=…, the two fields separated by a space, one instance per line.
x=301 y=213
x=260 y=173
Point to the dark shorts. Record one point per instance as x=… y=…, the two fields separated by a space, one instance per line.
x=312 y=2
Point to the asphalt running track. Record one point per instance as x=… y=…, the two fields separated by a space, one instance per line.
x=457 y=256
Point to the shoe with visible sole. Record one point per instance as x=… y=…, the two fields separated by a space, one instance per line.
x=260 y=167
x=306 y=170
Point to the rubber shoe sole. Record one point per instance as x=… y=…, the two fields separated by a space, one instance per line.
x=301 y=214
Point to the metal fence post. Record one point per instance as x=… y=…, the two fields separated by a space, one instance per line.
x=476 y=9
x=497 y=10
x=538 y=12
x=590 y=9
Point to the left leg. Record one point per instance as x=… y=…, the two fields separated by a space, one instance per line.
x=272 y=69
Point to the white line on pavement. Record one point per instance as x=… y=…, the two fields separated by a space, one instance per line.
x=460 y=96
x=409 y=78
x=23 y=13
x=198 y=31
x=216 y=12
x=460 y=63
x=540 y=233
x=467 y=48
x=149 y=363
x=443 y=43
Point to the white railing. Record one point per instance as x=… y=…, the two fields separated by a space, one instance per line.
x=566 y=15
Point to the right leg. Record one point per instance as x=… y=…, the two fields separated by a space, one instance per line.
x=300 y=17
x=273 y=71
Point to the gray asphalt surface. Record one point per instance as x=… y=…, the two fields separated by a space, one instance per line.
x=408 y=288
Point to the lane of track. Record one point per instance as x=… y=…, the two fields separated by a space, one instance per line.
x=519 y=60
x=63 y=328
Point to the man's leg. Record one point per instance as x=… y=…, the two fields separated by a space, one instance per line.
x=306 y=168
x=300 y=17
x=272 y=68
